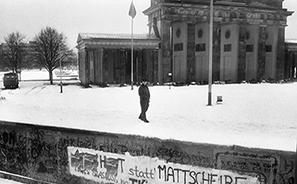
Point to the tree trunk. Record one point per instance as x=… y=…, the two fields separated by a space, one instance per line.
x=50 y=76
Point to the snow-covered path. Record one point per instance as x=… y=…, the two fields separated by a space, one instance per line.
x=253 y=115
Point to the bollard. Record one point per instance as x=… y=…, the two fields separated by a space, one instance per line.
x=219 y=99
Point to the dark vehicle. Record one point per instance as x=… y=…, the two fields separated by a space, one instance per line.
x=10 y=80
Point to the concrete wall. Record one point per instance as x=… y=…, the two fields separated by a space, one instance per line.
x=59 y=155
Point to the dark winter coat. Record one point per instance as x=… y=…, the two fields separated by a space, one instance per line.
x=144 y=92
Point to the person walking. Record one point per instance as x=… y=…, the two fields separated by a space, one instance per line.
x=144 y=94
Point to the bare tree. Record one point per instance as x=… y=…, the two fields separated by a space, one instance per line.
x=49 y=47
x=14 y=50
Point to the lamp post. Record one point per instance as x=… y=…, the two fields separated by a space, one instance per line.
x=60 y=62
x=210 y=53
x=61 y=84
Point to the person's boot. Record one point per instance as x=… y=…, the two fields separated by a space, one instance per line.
x=140 y=117
x=146 y=121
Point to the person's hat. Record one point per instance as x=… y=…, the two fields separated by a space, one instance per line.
x=144 y=79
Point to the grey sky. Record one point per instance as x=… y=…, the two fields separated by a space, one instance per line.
x=91 y=16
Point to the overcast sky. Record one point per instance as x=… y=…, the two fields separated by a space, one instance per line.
x=85 y=16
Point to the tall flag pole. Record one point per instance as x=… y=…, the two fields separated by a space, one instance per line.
x=210 y=53
x=132 y=13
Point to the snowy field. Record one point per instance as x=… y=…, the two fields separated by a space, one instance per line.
x=43 y=75
x=6 y=181
x=253 y=115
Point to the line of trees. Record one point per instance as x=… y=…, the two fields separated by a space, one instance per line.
x=46 y=50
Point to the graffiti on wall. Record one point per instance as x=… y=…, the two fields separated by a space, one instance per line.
x=263 y=165
x=267 y=167
x=31 y=153
x=178 y=156
x=286 y=171
x=113 y=168
x=43 y=153
x=136 y=147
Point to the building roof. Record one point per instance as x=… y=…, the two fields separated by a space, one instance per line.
x=109 y=40
x=291 y=45
x=291 y=41
x=85 y=36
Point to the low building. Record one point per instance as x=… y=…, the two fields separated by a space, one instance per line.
x=106 y=58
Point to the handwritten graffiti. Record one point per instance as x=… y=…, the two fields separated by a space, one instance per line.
x=147 y=174
x=84 y=161
x=175 y=174
x=28 y=151
x=98 y=166
x=286 y=172
x=175 y=156
x=122 y=146
x=135 y=181
x=261 y=164
x=12 y=154
x=114 y=147
x=63 y=141
x=8 y=138
x=115 y=168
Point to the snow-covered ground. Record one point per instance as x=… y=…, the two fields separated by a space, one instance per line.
x=253 y=115
x=44 y=75
x=6 y=181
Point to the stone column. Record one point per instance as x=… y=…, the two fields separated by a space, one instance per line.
x=155 y=65
x=82 y=65
x=191 y=53
x=165 y=53
x=123 y=60
x=242 y=52
x=216 y=52
x=87 y=69
x=280 y=58
x=262 y=51
x=105 y=65
x=147 y=54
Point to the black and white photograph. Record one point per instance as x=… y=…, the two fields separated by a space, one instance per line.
x=148 y=92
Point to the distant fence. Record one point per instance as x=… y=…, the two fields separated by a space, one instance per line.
x=44 y=154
